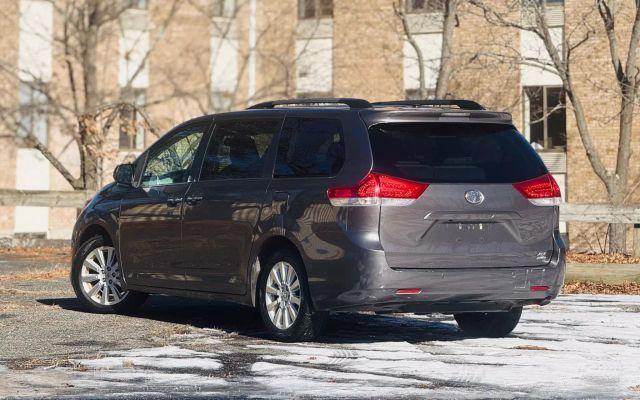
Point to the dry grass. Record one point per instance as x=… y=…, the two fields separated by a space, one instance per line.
x=583 y=258
x=8 y=307
x=37 y=275
x=531 y=347
x=20 y=292
x=55 y=254
x=164 y=334
x=32 y=363
x=632 y=288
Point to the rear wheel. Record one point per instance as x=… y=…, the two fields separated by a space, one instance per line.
x=284 y=301
x=490 y=324
x=96 y=278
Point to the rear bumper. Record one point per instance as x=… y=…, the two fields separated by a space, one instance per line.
x=368 y=284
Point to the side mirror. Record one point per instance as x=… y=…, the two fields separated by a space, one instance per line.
x=123 y=174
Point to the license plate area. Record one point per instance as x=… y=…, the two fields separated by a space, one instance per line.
x=469 y=232
x=480 y=227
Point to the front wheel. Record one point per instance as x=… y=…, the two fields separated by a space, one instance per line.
x=489 y=324
x=284 y=301
x=96 y=278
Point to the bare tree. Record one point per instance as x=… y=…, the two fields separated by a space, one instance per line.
x=627 y=79
x=446 y=62
x=79 y=101
x=278 y=46
x=450 y=18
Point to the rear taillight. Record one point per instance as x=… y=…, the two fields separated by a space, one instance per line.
x=377 y=189
x=541 y=191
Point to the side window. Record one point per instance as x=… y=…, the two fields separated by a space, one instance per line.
x=310 y=147
x=238 y=149
x=171 y=162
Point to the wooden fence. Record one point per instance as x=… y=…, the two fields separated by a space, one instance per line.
x=569 y=212
x=44 y=198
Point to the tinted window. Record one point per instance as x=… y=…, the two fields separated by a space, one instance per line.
x=171 y=161
x=454 y=153
x=310 y=147
x=238 y=149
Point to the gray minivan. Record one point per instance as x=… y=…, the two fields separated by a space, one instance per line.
x=303 y=207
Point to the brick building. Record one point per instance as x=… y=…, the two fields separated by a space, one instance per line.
x=182 y=58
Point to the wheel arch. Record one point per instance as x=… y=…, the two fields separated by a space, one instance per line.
x=91 y=230
x=268 y=247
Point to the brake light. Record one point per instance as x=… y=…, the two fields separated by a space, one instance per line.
x=540 y=288
x=409 y=291
x=377 y=189
x=541 y=191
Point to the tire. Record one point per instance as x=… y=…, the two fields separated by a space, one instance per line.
x=89 y=278
x=307 y=323
x=490 y=324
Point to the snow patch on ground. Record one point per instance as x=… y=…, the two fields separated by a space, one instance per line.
x=168 y=357
x=152 y=362
x=165 y=351
x=578 y=346
x=149 y=367
x=142 y=378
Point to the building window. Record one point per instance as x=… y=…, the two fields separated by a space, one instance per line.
x=131 y=121
x=308 y=9
x=414 y=94
x=221 y=101
x=138 y=4
x=545 y=117
x=223 y=8
x=313 y=95
x=425 y=6
x=33 y=112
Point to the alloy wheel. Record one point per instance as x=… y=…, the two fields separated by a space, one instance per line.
x=283 y=295
x=101 y=277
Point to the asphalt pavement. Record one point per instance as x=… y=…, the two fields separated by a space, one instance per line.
x=580 y=346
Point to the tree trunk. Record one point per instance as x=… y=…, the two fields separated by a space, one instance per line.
x=617 y=232
x=444 y=74
x=91 y=138
x=400 y=10
x=90 y=157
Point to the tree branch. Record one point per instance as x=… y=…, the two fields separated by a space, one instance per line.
x=444 y=74
x=399 y=9
x=609 y=27
x=32 y=141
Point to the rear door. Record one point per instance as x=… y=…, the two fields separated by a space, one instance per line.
x=311 y=153
x=222 y=208
x=471 y=214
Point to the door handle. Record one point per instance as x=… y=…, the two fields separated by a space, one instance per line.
x=280 y=202
x=174 y=201
x=194 y=199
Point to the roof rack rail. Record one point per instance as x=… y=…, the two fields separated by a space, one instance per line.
x=462 y=104
x=350 y=102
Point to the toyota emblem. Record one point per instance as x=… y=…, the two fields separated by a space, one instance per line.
x=474 y=197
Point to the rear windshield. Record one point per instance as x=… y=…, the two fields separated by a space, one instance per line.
x=453 y=153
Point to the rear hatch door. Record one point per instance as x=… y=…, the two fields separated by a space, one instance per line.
x=470 y=215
